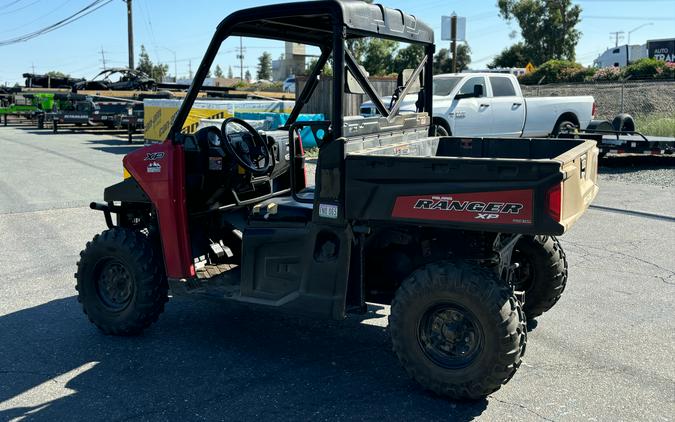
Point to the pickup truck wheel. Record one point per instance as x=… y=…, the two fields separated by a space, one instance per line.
x=120 y=282
x=564 y=126
x=457 y=329
x=541 y=273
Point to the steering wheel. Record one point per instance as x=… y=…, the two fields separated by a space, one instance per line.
x=250 y=151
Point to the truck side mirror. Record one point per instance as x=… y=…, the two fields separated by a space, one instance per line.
x=416 y=84
x=352 y=86
x=478 y=91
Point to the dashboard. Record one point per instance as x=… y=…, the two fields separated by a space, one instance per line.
x=215 y=179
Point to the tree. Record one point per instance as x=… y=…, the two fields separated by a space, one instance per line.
x=247 y=76
x=229 y=72
x=57 y=74
x=327 y=69
x=145 y=65
x=443 y=60
x=358 y=48
x=144 y=62
x=408 y=58
x=218 y=71
x=514 y=56
x=265 y=67
x=547 y=27
x=378 y=56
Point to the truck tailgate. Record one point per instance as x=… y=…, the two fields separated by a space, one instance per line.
x=533 y=186
x=579 y=186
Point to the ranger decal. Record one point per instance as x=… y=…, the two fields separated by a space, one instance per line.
x=505 y=207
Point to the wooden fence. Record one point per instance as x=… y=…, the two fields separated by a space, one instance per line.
x=322 y=99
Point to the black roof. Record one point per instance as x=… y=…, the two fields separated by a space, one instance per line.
x=311 y=22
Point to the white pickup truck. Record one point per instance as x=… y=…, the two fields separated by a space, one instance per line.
x=492 y=104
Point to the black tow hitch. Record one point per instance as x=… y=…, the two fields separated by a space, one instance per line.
x=107 y=210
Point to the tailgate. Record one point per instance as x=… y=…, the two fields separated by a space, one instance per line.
x=579 y=186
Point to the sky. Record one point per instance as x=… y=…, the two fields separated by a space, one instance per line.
x=182 y=29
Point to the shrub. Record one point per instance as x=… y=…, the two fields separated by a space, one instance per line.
x=607 y=74
x=644 y=69
x=558 y=71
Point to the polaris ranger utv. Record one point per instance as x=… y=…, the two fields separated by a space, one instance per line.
x=454 y=233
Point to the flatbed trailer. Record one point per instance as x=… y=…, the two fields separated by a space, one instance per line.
x=627 y=142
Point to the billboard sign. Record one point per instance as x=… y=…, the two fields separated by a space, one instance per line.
x=662 y=50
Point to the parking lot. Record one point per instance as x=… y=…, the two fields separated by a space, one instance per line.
x=605 y=352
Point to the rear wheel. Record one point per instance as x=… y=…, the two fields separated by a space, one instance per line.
x=120 y=282
x=564 y=126
x=457 y=329
x=541 y=272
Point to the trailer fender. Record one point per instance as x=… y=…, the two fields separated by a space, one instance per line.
x=624 y=123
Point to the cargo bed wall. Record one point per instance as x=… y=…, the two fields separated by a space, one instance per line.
x=478 y=184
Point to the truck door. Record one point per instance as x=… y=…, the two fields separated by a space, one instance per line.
x=472 y=116
x=508 y=109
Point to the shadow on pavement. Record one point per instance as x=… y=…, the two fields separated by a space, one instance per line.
x=206 y=360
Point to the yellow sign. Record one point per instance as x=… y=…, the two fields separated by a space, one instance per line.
x=529 y=68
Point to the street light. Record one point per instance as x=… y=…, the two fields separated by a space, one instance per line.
x=638 y=27
x=175 y=66
x=628 y=41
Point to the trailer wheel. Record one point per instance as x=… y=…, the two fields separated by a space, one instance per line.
x=457 y=329
x=541 y=274
x=120 y=282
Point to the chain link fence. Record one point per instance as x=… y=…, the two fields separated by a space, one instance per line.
x=641 y=99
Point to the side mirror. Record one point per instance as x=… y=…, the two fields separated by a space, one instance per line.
x=352 y=86
x=478 y=91
x=416 y=84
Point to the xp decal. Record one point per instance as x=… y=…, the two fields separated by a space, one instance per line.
x=505 y=207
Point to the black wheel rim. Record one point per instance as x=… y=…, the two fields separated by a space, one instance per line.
x=114 y=285
x=523 y=275
x=450 y=336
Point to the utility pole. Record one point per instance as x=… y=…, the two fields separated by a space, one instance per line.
x=130 y=25
x=190 y=68
x=240 y=56
x=453 y=37
x=103 y=57
x=617 y=35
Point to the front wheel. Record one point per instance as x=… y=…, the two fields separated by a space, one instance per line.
x=120 y=282
x=457 y=329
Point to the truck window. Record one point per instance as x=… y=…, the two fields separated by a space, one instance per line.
x=502 y=87
x=444 y=86
x=467 y=88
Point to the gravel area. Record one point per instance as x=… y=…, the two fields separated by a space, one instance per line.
x=644 y=170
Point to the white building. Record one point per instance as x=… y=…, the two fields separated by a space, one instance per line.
x=620 y=56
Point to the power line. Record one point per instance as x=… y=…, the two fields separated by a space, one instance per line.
x=92 y=7
x=20 y=8
x=632 y=18
x=37 y=19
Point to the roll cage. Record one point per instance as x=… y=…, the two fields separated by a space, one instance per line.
x=328 y=25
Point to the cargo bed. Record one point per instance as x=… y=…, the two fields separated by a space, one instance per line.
x=530 y=186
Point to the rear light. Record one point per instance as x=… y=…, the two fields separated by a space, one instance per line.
x=595 y=109
x=192 y=271
x=554 y=202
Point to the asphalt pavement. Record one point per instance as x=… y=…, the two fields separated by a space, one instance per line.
x=604 y=353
